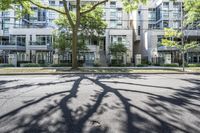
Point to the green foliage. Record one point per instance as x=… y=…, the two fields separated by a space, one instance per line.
x=193 y=65
x=30 y=65
x=141 y=65
x=170 y=65
x=172 y=38
x=91 y=27
x=7 y=65
x=61 y=65
x=117 y=49
x=192 y=9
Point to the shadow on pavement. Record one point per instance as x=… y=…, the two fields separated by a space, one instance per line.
x=161 y=114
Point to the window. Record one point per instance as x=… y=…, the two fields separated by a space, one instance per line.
x=139 y=30
x=18 y=40
x=177 y=5
x=43 y=39
x=113 y=23
x=6 y=13
x=51 y=15
x=113 y=4
x=165 y=4
x=151 y=26
x=41 y=15
x=52 y=3
x=166 y=24
x=6 y=23
x=61 y=3
x=113 y=14
x=176 y=24
x=159 y=40
x=118 y=39
x=165 y=14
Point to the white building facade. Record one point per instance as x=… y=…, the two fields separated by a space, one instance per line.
x=31 y=40
x=149 y=23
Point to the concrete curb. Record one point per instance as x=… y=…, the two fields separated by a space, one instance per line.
x=82 y=73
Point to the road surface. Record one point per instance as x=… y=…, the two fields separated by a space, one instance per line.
x=123 y=103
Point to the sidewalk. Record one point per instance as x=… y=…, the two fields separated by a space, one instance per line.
x=96 y=70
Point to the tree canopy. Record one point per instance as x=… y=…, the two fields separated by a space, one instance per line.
x=192 y=10
x=91 y=27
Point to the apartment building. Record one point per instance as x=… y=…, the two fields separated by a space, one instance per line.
x=149 y=23
x=30 y=38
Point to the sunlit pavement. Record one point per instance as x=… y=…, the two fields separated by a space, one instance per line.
x=100 y=103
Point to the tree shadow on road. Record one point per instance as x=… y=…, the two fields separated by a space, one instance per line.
x=139 y=119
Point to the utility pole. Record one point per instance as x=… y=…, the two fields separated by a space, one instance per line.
x=182 y=38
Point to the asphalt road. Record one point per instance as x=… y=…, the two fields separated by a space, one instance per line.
x=100 y=103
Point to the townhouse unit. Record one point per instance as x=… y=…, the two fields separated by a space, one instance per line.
x=149 y=23
x=31 y=37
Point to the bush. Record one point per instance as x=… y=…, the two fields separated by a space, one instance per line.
x=193 y=65
x=7 y=65
x=141 y=65
x=96 y=64
x=156 y=64
x=22 y=62
x=41 y=62
x=170 y=65
x=61 y=65
x=30 y=65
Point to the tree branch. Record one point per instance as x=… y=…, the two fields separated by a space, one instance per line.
x=46 y=7
x=68 y=14
x=93 y=7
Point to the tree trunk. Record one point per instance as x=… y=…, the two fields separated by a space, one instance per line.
x=74 y=49
x=183 y=62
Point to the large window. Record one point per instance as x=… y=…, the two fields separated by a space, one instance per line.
x=118 y=39
x=43 y=39
x=113 y=4
x=113 y=23
x=52 y=3
x=113 y=13
x=152 y=14
x=19 y=40
x=41 y=15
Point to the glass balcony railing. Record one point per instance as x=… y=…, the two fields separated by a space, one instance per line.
x=39 y=44
x=5 y=43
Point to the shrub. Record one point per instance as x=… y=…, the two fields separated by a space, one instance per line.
x=170 y=65
x=193 y=65
x=61 y=65
x=22 y=62
x=7 y=65
x=30 y=65
x=141 y=65
x=41 y=62
x=96 y=64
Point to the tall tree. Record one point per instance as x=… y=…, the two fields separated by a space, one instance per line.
x=92 y=26
x=173 y=38
x=176 y=38
x=26 y=4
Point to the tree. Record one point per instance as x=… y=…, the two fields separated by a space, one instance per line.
x=173 y=38
x=117 y=50
x=91 y=27
x=192 y=9
x=75 y=25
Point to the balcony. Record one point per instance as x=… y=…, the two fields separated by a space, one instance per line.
x=40 y=46
x=12 y=46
